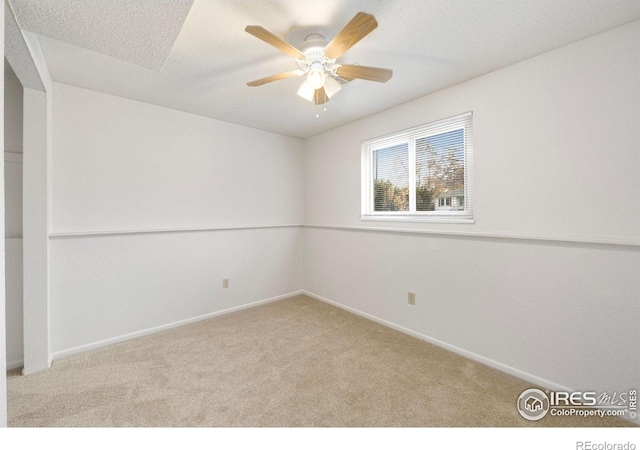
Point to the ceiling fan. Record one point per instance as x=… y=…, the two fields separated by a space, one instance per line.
x=317 y=59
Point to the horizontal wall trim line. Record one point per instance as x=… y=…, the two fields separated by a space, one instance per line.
x=79 y=234
x=12 y=157
x=125 y=337
x=567 y=239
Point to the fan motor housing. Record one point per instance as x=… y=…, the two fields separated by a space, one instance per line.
x=313 y=46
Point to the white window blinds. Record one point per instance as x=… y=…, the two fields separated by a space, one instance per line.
x=391 y=178
x=423 y=172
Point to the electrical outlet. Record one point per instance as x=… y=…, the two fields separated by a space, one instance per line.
x=225 y=283
x=412 y=298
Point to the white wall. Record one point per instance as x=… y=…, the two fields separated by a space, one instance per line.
x=27 y=59
x=556 y=156
x=13 y=195
x=121 y=164
x=12 y=111
x=3 y=353
x=13 y=215
x=13 y=308
x=36 y=216
x=553 y=141
x=125 y=166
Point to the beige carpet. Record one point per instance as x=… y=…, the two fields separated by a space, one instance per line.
x=295 y=362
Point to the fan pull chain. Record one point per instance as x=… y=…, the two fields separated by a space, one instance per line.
x=324 y=109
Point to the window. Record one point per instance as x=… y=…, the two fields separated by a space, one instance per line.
x=419 y=174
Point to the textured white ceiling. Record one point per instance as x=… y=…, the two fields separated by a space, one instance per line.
x=138 y=31
x=17 y=53
x=429 y=45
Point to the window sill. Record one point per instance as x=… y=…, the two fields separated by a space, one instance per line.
x=418 y=219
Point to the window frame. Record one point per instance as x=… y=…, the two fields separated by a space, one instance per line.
x=409 y=137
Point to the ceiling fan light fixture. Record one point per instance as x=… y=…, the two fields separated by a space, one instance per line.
x=316 y=76
x=331 y=87
x=306 y=91
x=317 y=59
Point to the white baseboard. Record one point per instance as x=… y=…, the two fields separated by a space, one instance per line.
x=125 y=337
x=15 y=364
x=526 y=376
x=533 y=379
x=541 y=382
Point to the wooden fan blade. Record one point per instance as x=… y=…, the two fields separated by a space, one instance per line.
x=274 y=40
x=320 y=96
x=364 y=73
x=280 y=76
x=361 y=25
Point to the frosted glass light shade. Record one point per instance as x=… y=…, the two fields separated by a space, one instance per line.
x=306 y=91
x=331 y=87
